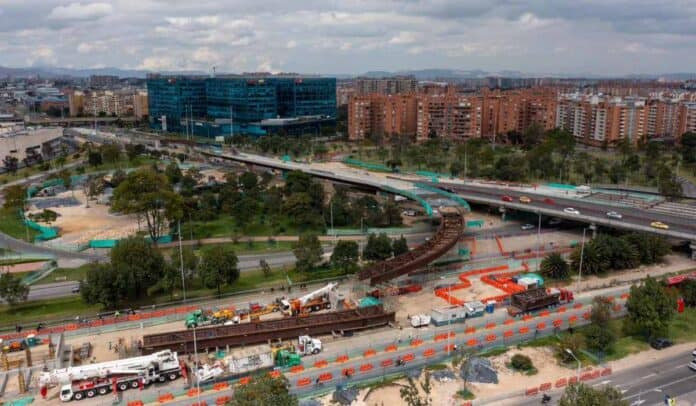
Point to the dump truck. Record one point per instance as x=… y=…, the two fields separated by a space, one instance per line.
x=537 y=299
x=90 y=380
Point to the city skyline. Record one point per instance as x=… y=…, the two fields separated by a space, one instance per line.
x=601 y=38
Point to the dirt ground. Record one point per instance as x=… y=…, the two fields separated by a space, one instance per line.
x=26 y=267
x=79 y=224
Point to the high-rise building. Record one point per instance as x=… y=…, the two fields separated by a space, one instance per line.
x=76 y=103
x=235 y=104
x=103 y=81
x=381 y=115
x=388 y=85
x=140 y=105
x=448 y=116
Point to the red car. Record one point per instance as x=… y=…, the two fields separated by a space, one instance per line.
x=549 y=200
x=506 y=198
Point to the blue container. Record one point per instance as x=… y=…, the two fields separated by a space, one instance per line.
x=490 y=307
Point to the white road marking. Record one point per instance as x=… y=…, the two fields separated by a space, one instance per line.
x=602 y=383
x=637 y=402
x=648 y=376
x=624 y=391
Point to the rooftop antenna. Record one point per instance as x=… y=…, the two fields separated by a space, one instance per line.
x=213 y=70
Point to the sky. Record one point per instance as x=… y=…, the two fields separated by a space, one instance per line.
x=606 y=37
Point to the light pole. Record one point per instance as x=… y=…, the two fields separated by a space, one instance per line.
x=576 y=359
x=195 y=364
x=181 y=262
x=582 y=254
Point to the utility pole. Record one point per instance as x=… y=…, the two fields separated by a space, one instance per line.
x=181 y=262
x=582 y=253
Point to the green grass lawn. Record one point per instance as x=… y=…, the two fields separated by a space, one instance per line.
x=64 y=274
x=245 y=248
x=11 y=224
x=226 y=226
x=42 y=310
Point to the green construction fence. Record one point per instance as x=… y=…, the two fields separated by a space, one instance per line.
x=448 y=195
x=45 y=233
x=367 y=166
x=412 y=196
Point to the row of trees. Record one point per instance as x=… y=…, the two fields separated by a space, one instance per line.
x=606 y=252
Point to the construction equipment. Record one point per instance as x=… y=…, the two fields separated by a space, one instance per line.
x=19 y=345
x=308 y=345
x=89 y=380
x=311 y=302
x=420 y=320
x=198 y=318
x=225 y=315
x=537 y=299
x=257 y=311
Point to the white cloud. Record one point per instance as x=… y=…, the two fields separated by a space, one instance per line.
x=403 y=37
x=42 y=55
x=291 y=44
x=79 y=11
x=87 y=48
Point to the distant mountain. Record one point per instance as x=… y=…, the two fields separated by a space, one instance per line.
x=57 y=72
x=455 y=74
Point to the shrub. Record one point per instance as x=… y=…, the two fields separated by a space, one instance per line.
x=521 y=362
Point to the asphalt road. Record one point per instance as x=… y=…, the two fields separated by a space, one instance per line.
x=647 y=385
x=590 y=211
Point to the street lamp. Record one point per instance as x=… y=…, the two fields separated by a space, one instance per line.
x=582 y=254
x=538 y=243
x=576 y=359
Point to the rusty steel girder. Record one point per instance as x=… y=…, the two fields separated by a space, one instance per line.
x=451 y=228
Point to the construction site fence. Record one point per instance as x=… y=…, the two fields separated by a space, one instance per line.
x=45 y=233
x=145 y=316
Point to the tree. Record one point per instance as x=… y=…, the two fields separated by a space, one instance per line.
x=650 y=309
x=583 y=395
x=532 y=136
x=134 y=150
x=135 y=265
x=688 y=146
x=688 y=291
x=411 y=394
x=572 y=342
x=117 y=178
x=10 y=163
x=378 y=247
x=147 y=193
x=392 y=214
x=94 y=158
x=298 y=207
x=64 y=175
x=400 y=246
x=668 y=184
x=308 y=252
x=263 y=389
x=218 y=267
x=12 y=290
x=619 y=253
x=173 y=173
x=521 y=362
x=190 y=261
x=265 y=268
x=595 y=259
x=248 y=181
x=345 y=256
x=599 y=336
x=554 y=266
x=651 y=248
x=15 y=197
x=110 y=152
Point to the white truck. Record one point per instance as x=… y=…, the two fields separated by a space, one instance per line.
x=308 y=345
x=311 y=302
x=420 y=320
x=87 y=381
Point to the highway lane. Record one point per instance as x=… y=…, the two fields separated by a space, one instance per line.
x=633 y=218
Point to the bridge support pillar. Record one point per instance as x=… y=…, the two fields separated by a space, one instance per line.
x=692 y=245
x=593 y=227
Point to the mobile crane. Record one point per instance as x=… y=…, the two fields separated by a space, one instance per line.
x=311 y=302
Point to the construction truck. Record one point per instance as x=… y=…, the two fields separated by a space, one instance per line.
x=89 y=380
x=201 y=318
x=19 y=345
x=537 y=299
x=256 y=310
x=311 y=302
x=308 y=345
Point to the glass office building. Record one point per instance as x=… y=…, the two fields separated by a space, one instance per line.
x=171 y=100
x=239 y=105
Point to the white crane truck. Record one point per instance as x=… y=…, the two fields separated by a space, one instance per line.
x=87 y=381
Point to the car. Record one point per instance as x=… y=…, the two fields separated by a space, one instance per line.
x=549 y=200
x=694 y=353
x=555 y=221
x=660 y=343
x=409 y=213
x=660 y=225
x=614 y=215
x=76 y=289
x=571 y=210
x=526 y=227
x=506 y=198
x=692 y=365
x=525 y=199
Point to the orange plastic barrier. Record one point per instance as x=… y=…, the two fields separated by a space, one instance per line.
x=369 y=353
x=617 y=307
x=296 y=369
x=342 y=358
x=532 y=391
x=386 y=363
x=508 y=322
x=221 y=386
x=348 y=372
x=366 y=367
x=325 y=377
x=596 y=374
x=133 y=317
x=416 y=342
x=625 y=296
x=577 y=306
x=490 y=326
x=610 y=299
x=222 y=400
x=467 y=403
x=321 y=363
x=193 y=392
x=448 y=348
x=557 y=323
x=96 y=323
x=303 y=382
x=606 y=371
x=544 y=313
x=429 y=352
x=561 y=309
x=508 y=334
x=135 y=403
x=274 y=374
x=561 y=382
x=491 y=337
x=545 y=386
x=572 y=319
x=71 y=327
x=541 y=326
x=470 y=330
x=586 y=376
x=524 y=330
x=526 y=317
x=390 y=348
x=245 y=380
x=443 y=336
x=586 y=315
x=167 y=397
x=472 y=342
x=409 y=357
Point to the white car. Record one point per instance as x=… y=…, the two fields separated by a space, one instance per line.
x=614 y=215
x=571 y=210
x=526 y=227
x=694 y=353
x=692 y=365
